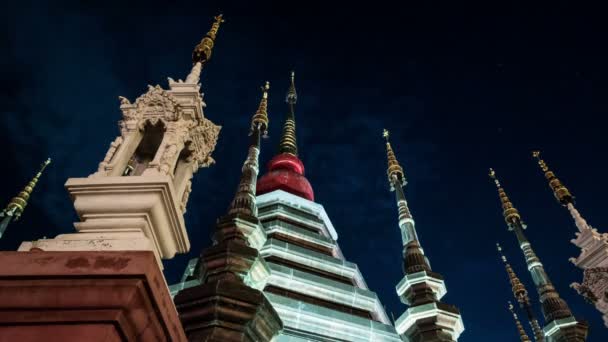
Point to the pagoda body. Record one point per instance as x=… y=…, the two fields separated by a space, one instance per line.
x=593 y=259
x=317 y=293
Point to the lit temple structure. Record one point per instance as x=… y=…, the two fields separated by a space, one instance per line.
x=427 y=318
x=17 y=204
x=318 y=295
x=594 y=246
x=560 y=323
x=521 y=295
x=274 y=271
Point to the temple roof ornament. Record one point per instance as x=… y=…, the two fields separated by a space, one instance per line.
x=394 y=169
x=510 y=213
x=17 y=204
x=202 y=52
x=260 y=118
x=561 y=193
x=288 y=142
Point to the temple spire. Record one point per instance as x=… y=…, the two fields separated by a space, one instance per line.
x=560 y=324
x=520 y=328
x=562 y=194
x=521 y=295
x=421 y=288
x=396 y=179
x=244 y=201
x=288 y=142
x=15 y=207
x=203 y=51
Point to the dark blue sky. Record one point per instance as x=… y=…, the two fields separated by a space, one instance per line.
x=461 y=87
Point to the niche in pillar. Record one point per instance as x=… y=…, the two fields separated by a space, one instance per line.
x=149 y=144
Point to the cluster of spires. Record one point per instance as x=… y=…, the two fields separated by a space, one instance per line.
x=244 y=202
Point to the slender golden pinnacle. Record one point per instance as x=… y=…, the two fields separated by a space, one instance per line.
x=510 y=213
x=394 y=170
x=519 y=290
x=520 y=328
x=18 y=203
x=292 y=95
x=561 y=193
x=202 y=52
x=288 y=143
x=260 y=118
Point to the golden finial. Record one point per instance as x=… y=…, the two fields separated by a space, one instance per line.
x=509 y=212
x=519 y=290
x=288 y=142
x=18 y=203
x=394 y=171
x=292 y=95
x=520 y=328
x=561 y=193
x=260 y=118
x=202 y=52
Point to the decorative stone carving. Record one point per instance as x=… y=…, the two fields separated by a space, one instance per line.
x=595 y=285
x=111 y=151
x=203 y=138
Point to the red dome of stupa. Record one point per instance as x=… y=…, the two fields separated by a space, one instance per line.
x=286 y=172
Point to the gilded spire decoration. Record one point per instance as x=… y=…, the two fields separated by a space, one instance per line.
x=288 y=138
x=561 y=193
x=245 y=201
x=510 y=213
x=520 y=328
x=202 y=52
x=394 y=170
x=15 y=207
x=521 y=295
x=260 y=118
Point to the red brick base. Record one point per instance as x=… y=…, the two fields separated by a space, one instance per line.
x=85 y=296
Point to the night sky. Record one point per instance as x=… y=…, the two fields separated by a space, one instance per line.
x=461 y=87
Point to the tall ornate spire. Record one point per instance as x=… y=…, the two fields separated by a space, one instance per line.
x=244 y=200
x=203 y=51
x=521 y=295
x=562 y=194
x=560 y=323
x=228 y=304
x=15 y=207
x=520 y=328
x=421 y=288
x=288 y=139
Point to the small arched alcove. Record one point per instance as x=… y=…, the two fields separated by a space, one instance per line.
x=147 y=149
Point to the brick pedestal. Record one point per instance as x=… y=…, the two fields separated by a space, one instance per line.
x=85 y=296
